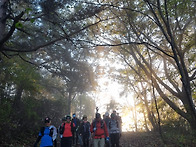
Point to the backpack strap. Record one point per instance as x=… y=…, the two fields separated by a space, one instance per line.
x=102 y=124
x=94 y=123
x=72 y=127
x=62 y=128
x=117 y=124
x=42 y=131
x=51 y=131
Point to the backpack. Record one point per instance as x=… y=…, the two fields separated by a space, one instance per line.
x=86 y=125
x=102 y=124
x=43 y=129
x=116 y=122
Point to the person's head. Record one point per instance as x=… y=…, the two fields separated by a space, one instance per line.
x=106 y=114
x=114 y=111
x=113 y=115
x=68 y=118
x=97 y=116
x=63 y=119
x=47 y=121
x=84 y=118
x=74 y=115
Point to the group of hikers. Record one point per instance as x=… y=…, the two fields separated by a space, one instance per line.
x=102 y=132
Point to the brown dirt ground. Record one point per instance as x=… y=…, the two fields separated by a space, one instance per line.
x=143 y=139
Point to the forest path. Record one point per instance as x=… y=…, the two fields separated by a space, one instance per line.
x=140 y=139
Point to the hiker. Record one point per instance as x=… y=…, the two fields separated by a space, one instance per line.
x=114 y=130
x=76 y=121
x=118 y=118
x=84 y=131
x=99 y=130
x=66 y=130
x=119 y=121
x=47 y=135
x=107 y=120
x=60 y=128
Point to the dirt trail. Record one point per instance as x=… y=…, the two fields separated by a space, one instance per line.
x=143 y=139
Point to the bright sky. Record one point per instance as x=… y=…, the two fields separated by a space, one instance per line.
x=112 y=90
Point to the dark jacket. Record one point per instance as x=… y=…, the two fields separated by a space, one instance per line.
x=76 y=121
x=84 y=129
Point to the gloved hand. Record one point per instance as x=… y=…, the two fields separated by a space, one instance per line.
x=94 y=129
x=107 y=138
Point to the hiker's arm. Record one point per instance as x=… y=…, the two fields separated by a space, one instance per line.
x=80 y=129
x=91 y=128
x=37 y=141
x=106 y=130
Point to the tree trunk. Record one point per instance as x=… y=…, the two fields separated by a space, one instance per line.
x=17 y=99
x=190 y=114
x=150 y=115
x=145 y=122
x=3 y=5
x=80 y=113
x=135 y=114
x=69 y=104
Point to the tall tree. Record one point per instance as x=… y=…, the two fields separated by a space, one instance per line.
x=164 y=29
x=50 y=38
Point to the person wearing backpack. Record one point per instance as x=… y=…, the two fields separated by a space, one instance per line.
x=114 y=130
x=99 y=130
x=66 y=130
x=107 y=120
x=84 y=131
x=47 y=134
x=76 y=121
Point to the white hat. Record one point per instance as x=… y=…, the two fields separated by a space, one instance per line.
x=106 y=114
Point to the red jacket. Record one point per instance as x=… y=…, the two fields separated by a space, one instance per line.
x=101 y=129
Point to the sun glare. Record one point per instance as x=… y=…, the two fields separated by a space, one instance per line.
x=110 y=90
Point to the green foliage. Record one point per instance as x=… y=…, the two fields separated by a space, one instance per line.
x=175 y=137
x=80 y=104
x=5 y=113
x=18 y=25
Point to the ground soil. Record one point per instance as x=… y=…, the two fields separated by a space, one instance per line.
x=141 y=139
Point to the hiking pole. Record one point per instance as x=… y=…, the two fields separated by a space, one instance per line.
x=97 y=109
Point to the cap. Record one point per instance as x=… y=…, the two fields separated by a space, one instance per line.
x=98 y=115
x=84 y=116
x=47 y=120
x=68 y=117
x=64 y=119
x=106 y=114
